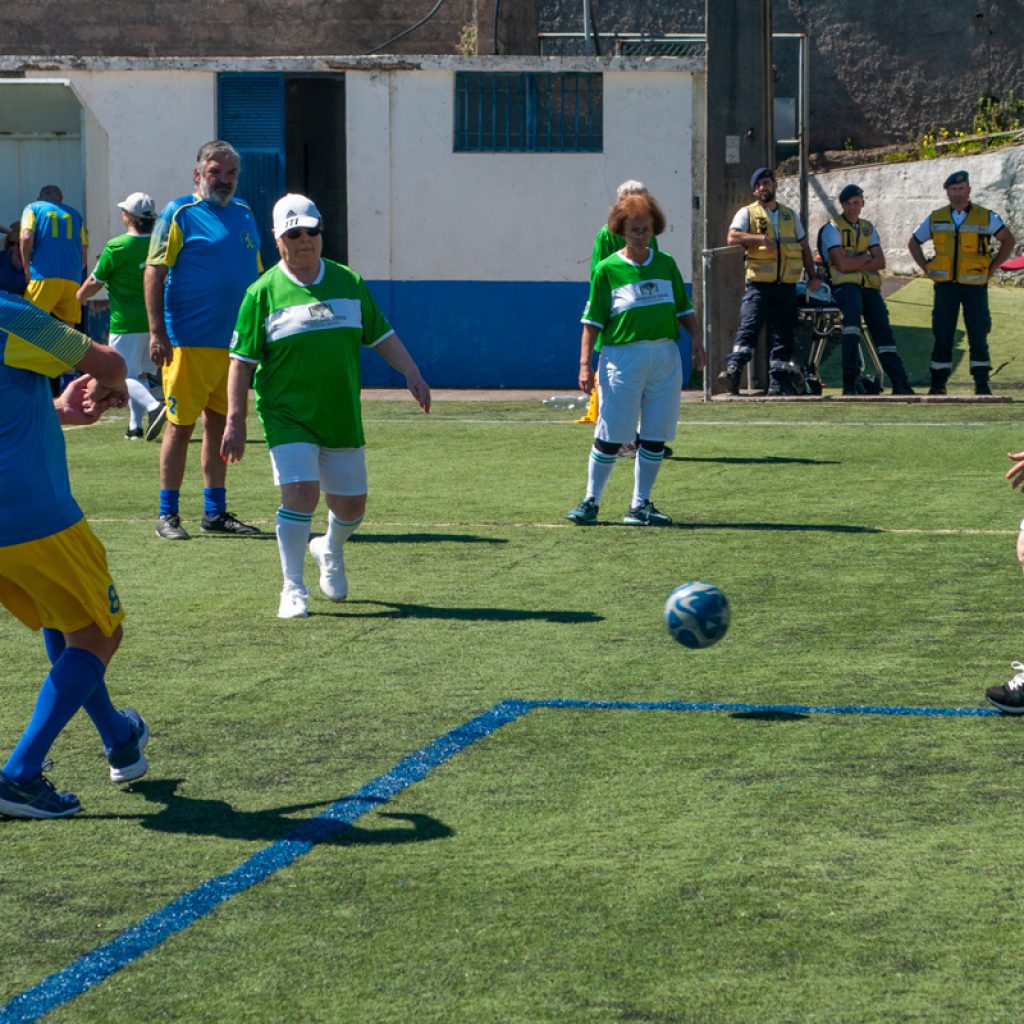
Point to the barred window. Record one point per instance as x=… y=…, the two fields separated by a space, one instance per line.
x=531 y=112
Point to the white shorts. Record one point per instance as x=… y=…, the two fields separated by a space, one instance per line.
x=134 y=350
x=339 y=470
x=638 y=384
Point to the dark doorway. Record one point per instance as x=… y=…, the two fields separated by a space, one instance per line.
x=314 y=116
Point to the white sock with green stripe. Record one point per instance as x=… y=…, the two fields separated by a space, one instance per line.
x=645 y=473
x=339 y=531
x=599 y=468
x=292 y=537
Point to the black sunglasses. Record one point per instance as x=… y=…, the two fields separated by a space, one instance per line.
x=298 y=232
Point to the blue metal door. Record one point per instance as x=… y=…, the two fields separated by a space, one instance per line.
x=250 y=115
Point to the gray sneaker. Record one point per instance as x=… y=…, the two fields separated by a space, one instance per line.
x=645 y=514
x=585 y=513
x=170 y=528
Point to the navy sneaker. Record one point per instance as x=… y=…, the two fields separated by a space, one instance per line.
x=37 y=798
x=585 y=513
x=645 y=514
x=225 y=522
x=128 y=762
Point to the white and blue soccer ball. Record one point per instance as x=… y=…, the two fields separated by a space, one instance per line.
x=697 y=614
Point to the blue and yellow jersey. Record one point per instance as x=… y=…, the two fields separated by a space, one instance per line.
x=212 y=254
x=35 y=493
x=58 y=236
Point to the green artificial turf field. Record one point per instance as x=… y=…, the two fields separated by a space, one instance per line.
x=577 y=864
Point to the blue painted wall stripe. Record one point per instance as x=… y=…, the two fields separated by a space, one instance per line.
x=94 y=967
x=486 y=334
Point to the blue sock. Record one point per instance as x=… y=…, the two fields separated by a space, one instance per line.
x=71 y=682
x=216 y=501
x=168 y=502
x=115 y=730
x=55 y=643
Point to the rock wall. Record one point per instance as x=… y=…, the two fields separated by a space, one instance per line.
x=897 y=197
x=881 y=71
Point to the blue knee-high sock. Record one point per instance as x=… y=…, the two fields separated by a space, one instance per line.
x=115 y=730
x=71 y=682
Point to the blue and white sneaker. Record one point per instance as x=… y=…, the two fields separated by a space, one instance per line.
x=128 y=762
x=37 y=798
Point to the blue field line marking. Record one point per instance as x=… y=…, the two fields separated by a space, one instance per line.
x=790 y=709
x=92 y=968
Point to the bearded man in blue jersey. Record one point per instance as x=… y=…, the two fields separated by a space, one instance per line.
x=203 y=253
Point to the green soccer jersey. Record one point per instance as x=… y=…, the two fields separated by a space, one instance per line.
x=120 y=268
x=636 y=303
x=305 y=342
x=606 y=243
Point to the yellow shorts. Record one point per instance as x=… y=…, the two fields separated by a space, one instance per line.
x=57 y=296
x=61 y=581
x=197 y=379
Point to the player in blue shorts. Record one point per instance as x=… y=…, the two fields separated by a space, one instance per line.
x=53 y=570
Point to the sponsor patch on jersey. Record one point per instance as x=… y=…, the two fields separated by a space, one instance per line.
x=332 y=314
x=641 y=293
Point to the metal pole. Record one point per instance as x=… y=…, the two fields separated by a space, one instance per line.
x=805 y=120
x=707 y=255
x=588 y=36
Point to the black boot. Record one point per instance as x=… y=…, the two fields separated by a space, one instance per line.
x=729 y=378
x=939 y=378
x=981 y=385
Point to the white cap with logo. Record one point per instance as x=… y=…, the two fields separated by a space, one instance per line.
x=138 y=204
x=294 y=211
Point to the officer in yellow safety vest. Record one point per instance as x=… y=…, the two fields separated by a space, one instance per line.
x=776 y=256
x=852 y=251
x=962 y=234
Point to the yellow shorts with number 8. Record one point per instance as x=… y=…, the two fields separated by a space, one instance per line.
x=61 y=581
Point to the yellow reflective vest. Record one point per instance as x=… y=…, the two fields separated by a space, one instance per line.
x=854 y=239
x=786 y=264
x=962 y=254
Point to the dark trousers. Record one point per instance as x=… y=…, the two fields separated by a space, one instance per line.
x=857 y=303
x=949 y=300
x=771 y=304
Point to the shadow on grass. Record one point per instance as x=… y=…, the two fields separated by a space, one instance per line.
x=770 y=716
x=184 y=815
x=390 y=610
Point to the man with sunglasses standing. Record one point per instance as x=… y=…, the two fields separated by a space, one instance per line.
x=302 y=327
x=203 y=254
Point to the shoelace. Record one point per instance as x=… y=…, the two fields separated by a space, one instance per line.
x=1018 y=680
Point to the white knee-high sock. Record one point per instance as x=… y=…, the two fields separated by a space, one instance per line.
x=339 y=531
x=140 y=401
x=292 y=537
x=645 y=473
x=599 y=469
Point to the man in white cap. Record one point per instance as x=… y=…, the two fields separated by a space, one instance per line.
x=301 y=327
x=120 y=270
x=962 y=233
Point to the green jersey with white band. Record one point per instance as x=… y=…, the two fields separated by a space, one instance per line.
x=636 y=302
x=305 y=341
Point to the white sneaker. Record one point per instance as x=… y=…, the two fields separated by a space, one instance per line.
x=294 y=602
x=333 y=582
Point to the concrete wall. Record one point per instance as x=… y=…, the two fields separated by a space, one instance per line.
x=899 y=196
